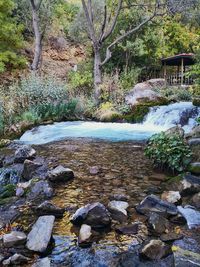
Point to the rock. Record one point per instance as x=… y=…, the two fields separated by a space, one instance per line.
x=131 y=229
x=189 y=185
x=196 y=200
x=118 y=210
x=30 y=169
x=16 y=259
x=95 y=215
x=191 y=215
x=170 y=236
x=155 y=250
x=157 y=223
x=178 y=219
x=195 y=133
x=143 y=92
x=1 y=258
x=8 y=176
x=40 y=235
x=171 y=196
x=44 y=262
x=176 y=130
x=19 y=192
x=119 y=197
x=14 y=238
x=23 y=153
x=194 y=141
x=194 y=168
x=185 y=258
x=85 y=234
x=60 y=174
x=94 y=170
x=153 y=204
x=40 y=190
x=47 y=208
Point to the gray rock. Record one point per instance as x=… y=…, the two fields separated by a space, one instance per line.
x=155 y=250
x=40 y=190
x=195 y=133
x=94 y=170
x=131 y=229
x=157 y=223
x=19 y=192
x=185 y=258
x=176 y=130
x=40 y=235
x=196 y=200
x=171 y=236
x=30 y=169
x=153 y=204
x=189 y=185
x=60 y=174
x=95 y=215
x=194 y=141
x=85 y=234
x=118 y=210
x=171 y=196
x=47 y=208
x=45 y=262
x=16 y=259
x=24 y=152
x=119 y=197
x=14 y=238
x=191 y=215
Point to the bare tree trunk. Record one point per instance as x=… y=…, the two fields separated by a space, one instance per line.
x=38 y=40
x=97 y=75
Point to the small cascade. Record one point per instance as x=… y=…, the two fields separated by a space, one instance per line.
x=158 y=119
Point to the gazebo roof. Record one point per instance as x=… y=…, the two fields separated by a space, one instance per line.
x=188 y=59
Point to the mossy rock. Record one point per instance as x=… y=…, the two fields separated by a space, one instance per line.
x=7 y=191
x=137 y=114
x=196 y=101
x=4 y=142
x=194 y=168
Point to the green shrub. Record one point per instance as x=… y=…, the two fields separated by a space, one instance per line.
x=137 y=114
x=29 y=116
x=168 y=152
x=175 y=93
x=129 y=78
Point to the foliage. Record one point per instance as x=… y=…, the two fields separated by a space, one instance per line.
x=195 y=71
x=137 y=113
x=175 y=93
x=128 y=78
x=168 y=151
x=11 y=39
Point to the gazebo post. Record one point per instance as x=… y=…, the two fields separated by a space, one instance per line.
x=165 y=71
x=182 y=70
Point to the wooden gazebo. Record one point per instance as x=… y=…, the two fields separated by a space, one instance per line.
x=178 y=66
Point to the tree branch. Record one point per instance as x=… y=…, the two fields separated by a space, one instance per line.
x=105 y=36
x=104 y=23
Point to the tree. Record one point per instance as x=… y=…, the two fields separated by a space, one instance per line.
x=41 y=19
x=99 y=35
x=11 y=39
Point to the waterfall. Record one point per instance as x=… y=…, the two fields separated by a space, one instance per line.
x=158 y=119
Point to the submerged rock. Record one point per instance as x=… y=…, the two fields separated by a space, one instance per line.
x=191 y=215
x=44 y=262
x=118 y=210
x=194 y=168
x=24 y=152
x=39 y=237
x=153 y=204
x=157 y=223
x=60 y=174
x=96 y=215
x=185 y=258
x=47 y=208
x=16 y=259
x=85 y=234
x=171 y=196
x=155 y=250
x=14 y=238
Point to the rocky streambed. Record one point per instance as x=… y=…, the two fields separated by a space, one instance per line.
x=84 y=202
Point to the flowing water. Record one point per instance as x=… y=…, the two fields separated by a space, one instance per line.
x=158 y=119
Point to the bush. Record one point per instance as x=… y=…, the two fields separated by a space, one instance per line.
x=168 y=151
x=175 y=93
x=129 y=78
x=137 y=114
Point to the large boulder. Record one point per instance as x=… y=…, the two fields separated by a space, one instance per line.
x=60 y=174
x=153 y=204
x=143 y=92
x=95 y=215
x=39 y=237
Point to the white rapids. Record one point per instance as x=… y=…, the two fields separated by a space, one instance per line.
x=158 y=119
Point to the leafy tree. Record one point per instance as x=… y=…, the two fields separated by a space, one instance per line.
x=11 y=39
